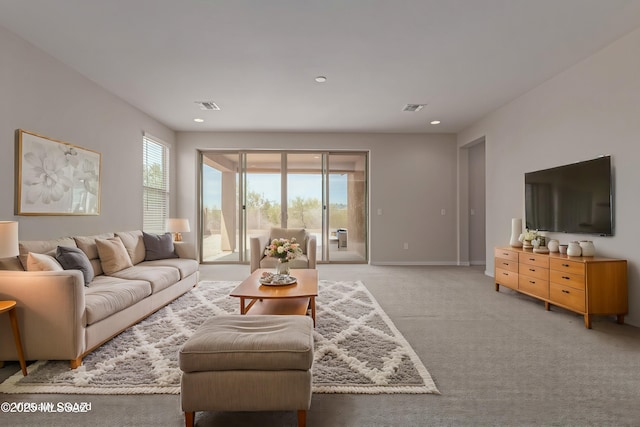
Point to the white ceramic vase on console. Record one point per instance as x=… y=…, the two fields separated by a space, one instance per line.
x=516 y=231
x=553 y=245
x=574 y=249
x=587 y=247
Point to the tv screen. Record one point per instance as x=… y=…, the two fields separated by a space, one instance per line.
x=575 y=198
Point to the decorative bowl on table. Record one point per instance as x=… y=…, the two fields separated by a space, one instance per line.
x=270 y=279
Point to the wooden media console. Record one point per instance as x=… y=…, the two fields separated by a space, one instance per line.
x=585 y=285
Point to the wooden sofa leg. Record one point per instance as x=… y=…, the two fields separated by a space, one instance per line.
x=302 y=418
x=75 y=363
x=189 y=418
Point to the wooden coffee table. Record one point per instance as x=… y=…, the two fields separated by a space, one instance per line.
x=296 y=298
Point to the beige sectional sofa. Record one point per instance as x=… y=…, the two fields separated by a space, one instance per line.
x=63 y=318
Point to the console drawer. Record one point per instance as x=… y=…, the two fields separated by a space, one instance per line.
x=568 y=297
x=563 y=278
x=534 y=259
x=505 y=254
x=533 y=286
x=507 y=278
x=506 y=264
x=568 y=266
x=534 y=271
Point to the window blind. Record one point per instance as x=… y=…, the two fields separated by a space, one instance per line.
x=156 y=184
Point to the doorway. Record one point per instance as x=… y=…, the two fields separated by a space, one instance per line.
x=477 y=205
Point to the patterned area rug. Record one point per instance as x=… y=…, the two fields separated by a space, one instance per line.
x=358 y=349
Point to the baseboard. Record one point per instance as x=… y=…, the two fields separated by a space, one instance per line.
x=418 y=263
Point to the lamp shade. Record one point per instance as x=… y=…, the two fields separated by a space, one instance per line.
x=8 y=239
x=178 y=225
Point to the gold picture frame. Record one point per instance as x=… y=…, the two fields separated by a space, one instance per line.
x=56 y=178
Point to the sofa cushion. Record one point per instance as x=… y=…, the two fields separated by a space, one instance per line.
x=185 y=266
x=88 y=246
x=48 y=247
x=42 y=262
x=11 y=264
x=113 y=255
x=300 y=234
x=107 y=295
x=72 y=258
x=132 y=240
x=159 y=277
x=158 y=246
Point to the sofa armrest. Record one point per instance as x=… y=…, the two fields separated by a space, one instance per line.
x=257 y=245
x=312 y=245
x=51 y=311
x=185 y=250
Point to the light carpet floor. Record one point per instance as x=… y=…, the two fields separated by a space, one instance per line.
x=358 y=349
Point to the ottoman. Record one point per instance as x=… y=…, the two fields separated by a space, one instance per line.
x=248 y=363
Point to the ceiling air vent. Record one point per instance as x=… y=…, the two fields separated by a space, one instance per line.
x=208 y=105
x=414 y=108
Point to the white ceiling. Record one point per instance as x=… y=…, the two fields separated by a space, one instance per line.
x=257 y=59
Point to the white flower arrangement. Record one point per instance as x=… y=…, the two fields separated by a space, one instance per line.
x=528 y=235
x=284 y=249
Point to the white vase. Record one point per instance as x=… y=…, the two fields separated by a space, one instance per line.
x=588 y=249
x=553 y=245
x=574 y=249
x=516 y=230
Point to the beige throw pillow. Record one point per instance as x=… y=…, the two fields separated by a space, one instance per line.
x=113 y=255
x=42 y=262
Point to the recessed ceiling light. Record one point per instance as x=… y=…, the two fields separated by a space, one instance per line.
x=435 y=122
x=198 y=120
x=321 y=79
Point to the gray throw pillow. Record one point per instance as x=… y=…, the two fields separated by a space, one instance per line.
x=158 y=246
x=71 y=258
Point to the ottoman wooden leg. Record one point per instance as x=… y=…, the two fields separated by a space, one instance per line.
x=189 y=418
x=302 y=418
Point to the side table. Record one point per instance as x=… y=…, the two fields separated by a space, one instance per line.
x=10 y=307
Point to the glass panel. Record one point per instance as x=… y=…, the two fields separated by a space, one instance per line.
x=262 y=195
x=347 y=207
x=220 y=207
x=304 y=194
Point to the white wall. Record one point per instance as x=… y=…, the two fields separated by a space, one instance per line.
x=41 y=95
x=590 y=109
x=412 y=177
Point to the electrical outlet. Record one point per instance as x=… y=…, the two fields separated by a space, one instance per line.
x=443 y=212
x=379 y=211
x=406 y=245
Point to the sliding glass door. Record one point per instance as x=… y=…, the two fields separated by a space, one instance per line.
x=246 y=193
x=347 y=207
x=219 y=230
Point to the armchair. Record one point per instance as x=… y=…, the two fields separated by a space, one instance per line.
x=307 y=243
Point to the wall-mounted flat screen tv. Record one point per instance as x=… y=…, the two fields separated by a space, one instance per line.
x=574 y=198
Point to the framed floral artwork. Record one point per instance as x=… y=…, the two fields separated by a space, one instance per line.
x=55 y=177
